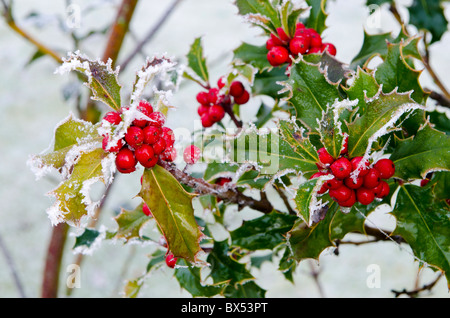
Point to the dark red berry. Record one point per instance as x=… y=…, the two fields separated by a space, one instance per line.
x=213 y=95
x=341 y=168
x=382 y=190
x=324 y=156
x=157 y=119
x=315 y=50
x=315 y=40
x=134 y=136
x=113 y=118
x=330 y=48
x=278 y=55
x=222 y=181
x=237 y=89
x=365 y=196
x=341 y=194
x=243 y=99
x=125 y=160
x=151 y=134
x=372 y=178
x=159 y=146
x=354 y=183
x=216 y=113
x=206 y=120
x=171 y=261
x=363 y=170
x=146 y=156
x=350 y=202
x=191 y=154
x=202 y=109
x=385 y=167
x=146 y=210
x=424 y=182
x=299 y=45
x=334 y=183
x=203 y=98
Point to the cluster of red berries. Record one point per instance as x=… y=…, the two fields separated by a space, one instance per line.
x=347 y=189
x=213 y=103
x=305 y=41
x=145 y=142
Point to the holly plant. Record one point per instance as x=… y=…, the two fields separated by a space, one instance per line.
x=334 y=140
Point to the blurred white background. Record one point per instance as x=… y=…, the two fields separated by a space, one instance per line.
x=31 y=104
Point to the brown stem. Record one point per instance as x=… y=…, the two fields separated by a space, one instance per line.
x=225 y=192
x=416 y=291
x=440 y=99
x=53 y=261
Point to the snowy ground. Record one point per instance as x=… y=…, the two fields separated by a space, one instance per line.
x=31 y=104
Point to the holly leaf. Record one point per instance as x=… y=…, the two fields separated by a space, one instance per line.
x=396 y=73
x=265 y=232
x=252 y=54
x=363 y=88
x=380 y=118
x=197 y=61
x=310 y=92
x=428 y=15
x=260 y=13
x=424 y=223
x=86 y=239
x=317 y=16
x=418 y=155
x=130 y=223
x=308 y=205
x=102 y=80
x=172 y=209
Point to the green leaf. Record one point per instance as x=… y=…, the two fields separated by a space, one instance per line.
x=380 y=118
x=428 y=150
x=132 y=288
x=189 y=278
x=253 y=55
x=267 y=83
x=197 y=61
x=265 y=232
x=317 y=16
x=309 y=206
x=395 y=73
x=363 y=88
x=260 y=13
x=336 y=71
x=440 y=121
x=424 y=223
x=130 y=223
x=224 y=268
x=172 y=209
x=86 y=239
x=373 y=45
x=102 y=80
x=428 y=15
x=247 y=290
x=310 y=92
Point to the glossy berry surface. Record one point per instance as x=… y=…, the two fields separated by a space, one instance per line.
x=385 y=167
x=372 y=178
x=278 y=55
x=341 y=168
x=171 y=260
x=365 y=196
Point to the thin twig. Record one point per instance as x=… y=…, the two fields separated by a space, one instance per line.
x=285 y=200
x=12 y=267
x=150 y=34
x=440 y=99
x=416 y=291
x=315 y=275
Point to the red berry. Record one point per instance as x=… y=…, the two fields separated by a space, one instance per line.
x=191 y=154
x=157 y=119
x=354 y=184
x=363 y=170
x=146 y=109
x=146 y=210
x=324 y=156
x=344 y=149
x=151 y=134
x=315 y=40
x=171 y=260
x=237 y=89
x=330 y=48
x=216 y=113
x=113 y=118
x=220 y=83
x=350 y=202
x=282 y=35
x=372 y=178
x=213 y=95
x=243 y=99
x=324 y=187
x=202 y=109
x=382 y=190
x=146 y=156
x=341 y=168
x=159 y=146
x=299 y=25
x=111 y=148
x=206 y=120
x=222 y=181
x=270 y=44
x=125 y=160
x=341 y=194
x=170 y=154
x=278 y=55
x=334 y=183
x=299 y=45
x=168 y=136
x=385 y=167
x=315 y=50
x=134 y=136
x=365 y=196
x=203 y=98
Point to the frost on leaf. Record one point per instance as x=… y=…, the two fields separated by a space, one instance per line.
x=102 y=80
